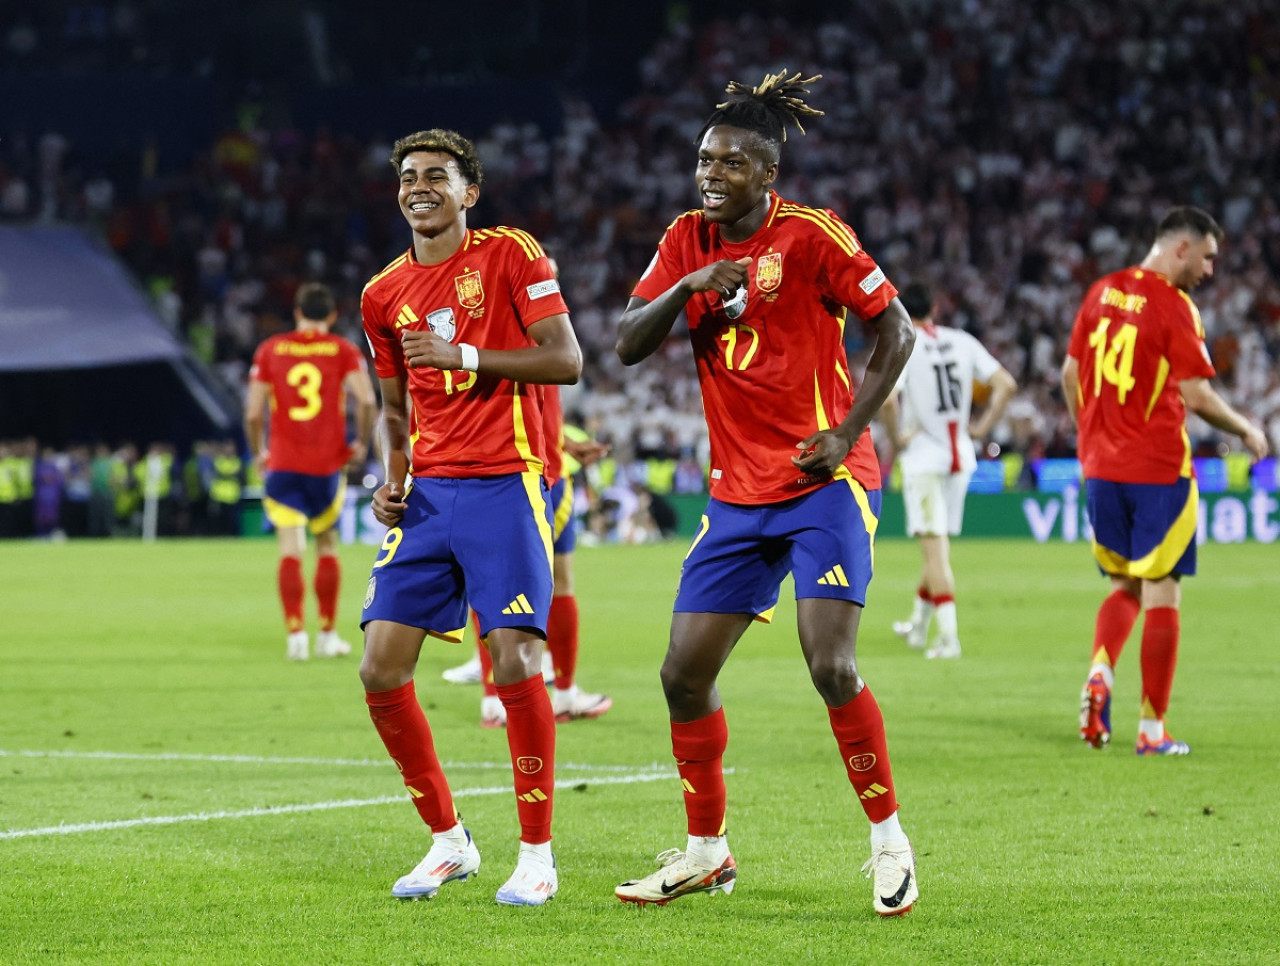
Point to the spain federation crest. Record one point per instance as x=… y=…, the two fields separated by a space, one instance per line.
x=769 y=271
x=442 y=324
x=470 y=290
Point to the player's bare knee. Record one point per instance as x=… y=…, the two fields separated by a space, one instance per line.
x=836 y=681
x=378 y=674
x=682 y=691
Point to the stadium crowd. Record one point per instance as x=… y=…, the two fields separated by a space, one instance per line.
x=1006 y=154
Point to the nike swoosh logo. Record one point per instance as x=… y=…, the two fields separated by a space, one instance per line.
x=670 y=887
x=895 y=900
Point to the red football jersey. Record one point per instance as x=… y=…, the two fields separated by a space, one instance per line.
x=1135 y=338
x=306 y=370
x=776 y=373
x=488 y=293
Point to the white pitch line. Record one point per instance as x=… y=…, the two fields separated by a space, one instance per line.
x=310 y=807
x=267 y=760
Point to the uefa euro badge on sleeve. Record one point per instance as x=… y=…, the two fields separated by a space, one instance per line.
x=442 y=324
x=738 y=304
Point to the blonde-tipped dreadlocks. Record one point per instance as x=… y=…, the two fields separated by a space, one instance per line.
x=766 y=108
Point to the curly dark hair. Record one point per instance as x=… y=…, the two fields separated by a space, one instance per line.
x=447 y=142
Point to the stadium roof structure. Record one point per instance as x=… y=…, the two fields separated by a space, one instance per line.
x=84 y=356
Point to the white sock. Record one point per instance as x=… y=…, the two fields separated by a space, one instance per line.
x=948 y=626
x=454 y=836
x=708 y=850
x=883 y=833
x=922 y=612
x=542 y=850
x=1152 y=729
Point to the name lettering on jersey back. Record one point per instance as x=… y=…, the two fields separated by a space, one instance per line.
x=303 y=349
x=1123 y=301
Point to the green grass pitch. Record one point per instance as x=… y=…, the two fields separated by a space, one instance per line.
x=230 y=807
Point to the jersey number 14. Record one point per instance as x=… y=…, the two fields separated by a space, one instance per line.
x=1113 y=359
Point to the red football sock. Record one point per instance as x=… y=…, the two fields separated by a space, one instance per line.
x=562 y=638
x=404 y=730
x=328 y=579
x=859 y=730
x=1159 y=659
x=293 y=589
x=1116 y=616
x=487 y=686
x=923 y=593
x=531 y=736
x=699 y=747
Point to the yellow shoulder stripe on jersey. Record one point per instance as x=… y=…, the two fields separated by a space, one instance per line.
x=1195 y=313
x=522 y=238
x=1162 y=373
x=390 y=268
x=691 y=213
x=774 y=207
x=838 y=231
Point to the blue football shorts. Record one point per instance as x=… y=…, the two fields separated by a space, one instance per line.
x=483 y=542
x=1144 y=530
x=564 y=525
x=824 y=539
x=299 y=499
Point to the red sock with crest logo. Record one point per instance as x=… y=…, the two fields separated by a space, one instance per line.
x=859 y=730
x=531 y=736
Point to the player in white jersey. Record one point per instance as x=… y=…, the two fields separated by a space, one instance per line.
x=927 y=420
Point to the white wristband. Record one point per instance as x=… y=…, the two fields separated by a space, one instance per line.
x=470 y=357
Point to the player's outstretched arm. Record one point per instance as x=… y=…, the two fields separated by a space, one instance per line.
x=822 y=452
x=644 y=325
x=1204 y=401
x=554 y=359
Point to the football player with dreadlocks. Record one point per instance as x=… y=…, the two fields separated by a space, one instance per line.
x=766 y=285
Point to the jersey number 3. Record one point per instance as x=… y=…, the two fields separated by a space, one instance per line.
x=1113 y=359
x=306 y=378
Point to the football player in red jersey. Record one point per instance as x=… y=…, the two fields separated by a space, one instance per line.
x=304 y=377
x=464 y=327
x=795 y=486
x=1136 y=363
